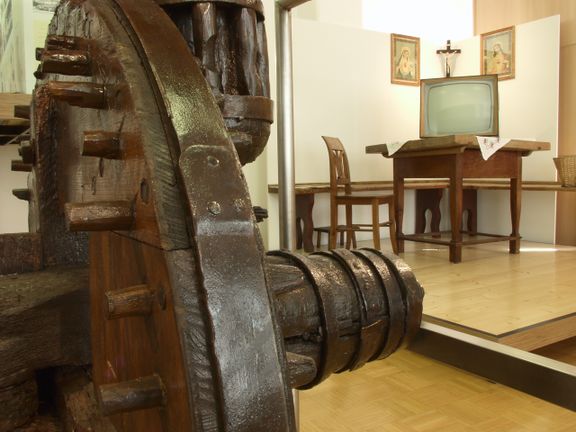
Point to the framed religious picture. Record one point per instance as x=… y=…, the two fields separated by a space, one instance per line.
x=498 y=53
x=405 y=59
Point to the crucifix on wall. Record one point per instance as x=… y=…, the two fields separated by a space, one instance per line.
x=448 y=56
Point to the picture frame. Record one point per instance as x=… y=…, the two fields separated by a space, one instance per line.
x=498 y=53
x=404 y=59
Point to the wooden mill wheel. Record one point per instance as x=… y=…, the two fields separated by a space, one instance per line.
x=127 y=131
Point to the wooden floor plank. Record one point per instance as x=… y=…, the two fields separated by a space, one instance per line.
x=410 y=393
x=493 y=291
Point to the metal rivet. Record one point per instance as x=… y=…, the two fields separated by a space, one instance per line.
x=212 y=161
x=239 y=204
x=214 y=208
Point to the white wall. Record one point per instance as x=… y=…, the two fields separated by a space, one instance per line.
x=341 y=12
x=529 y=110
x=342 y=88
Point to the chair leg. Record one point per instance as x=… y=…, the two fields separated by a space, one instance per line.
x=342 y=239
x=319 y=238
x=392 y=219
x=333 y=225
x=349 y=233
x=376 y=224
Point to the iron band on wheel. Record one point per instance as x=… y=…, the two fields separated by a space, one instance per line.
x=252 y=4
x=396 y=307
x=412 y=292
x=247 y=107
x=371 y=303
x=318 y=276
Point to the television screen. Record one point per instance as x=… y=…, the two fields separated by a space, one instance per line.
x=459 y=106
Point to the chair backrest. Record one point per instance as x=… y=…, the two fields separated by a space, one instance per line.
x=339 y=168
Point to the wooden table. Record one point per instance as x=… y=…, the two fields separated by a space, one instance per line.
x=455 y=158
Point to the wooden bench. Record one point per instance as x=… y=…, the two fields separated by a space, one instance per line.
x=428 y=196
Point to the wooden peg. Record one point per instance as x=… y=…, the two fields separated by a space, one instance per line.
x=66 y=62
x=39 y=51
x=23 y=194
x=101 y=144
x=82 y=94
x=38 y=73
x=64 y=42
x=138 y=394
x=301 y=369
x=132 y=301
x=99 y=216
x=18 y=165
x=27 y=152
x=22 y=111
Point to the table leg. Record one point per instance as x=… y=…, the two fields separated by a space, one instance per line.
x=399 y=206
x=470 y=205
x=456 y=213
x=515 y=205
x=304 y=207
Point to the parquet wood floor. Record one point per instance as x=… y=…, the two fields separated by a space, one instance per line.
x=492 y=292
x=410 y=393
x=500 y=294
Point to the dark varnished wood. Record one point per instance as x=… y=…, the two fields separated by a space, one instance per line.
x=62 y=41
x=75 y=401
x=42 y=325
x=452 y=144
x=22 y=111
x=21 y=166
x=131 y=301
x=27 y=152
x=19 y=403
x=129 y=348
x=101 y=144
x=228 y=38
x=134 y=395
x=20 y=253
x=22 y=194
x=304 y=222
x=99 y=216
x=467 y=162
x=66 y=62
x=80 y=94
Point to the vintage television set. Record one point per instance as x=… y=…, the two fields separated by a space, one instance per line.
x=459 y=106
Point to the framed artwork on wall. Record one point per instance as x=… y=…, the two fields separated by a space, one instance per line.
x=404 y=59
x=498 y=53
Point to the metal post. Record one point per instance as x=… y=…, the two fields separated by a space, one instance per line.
x=287 y=199
x=286 y=177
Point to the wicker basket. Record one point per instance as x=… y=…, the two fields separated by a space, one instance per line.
x=566 y=166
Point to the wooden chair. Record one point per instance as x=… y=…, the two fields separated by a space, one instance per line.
x=341 y=195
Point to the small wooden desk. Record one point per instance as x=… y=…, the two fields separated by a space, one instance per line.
x=455 y=158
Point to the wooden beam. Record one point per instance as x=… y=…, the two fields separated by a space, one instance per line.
x=44 y=322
